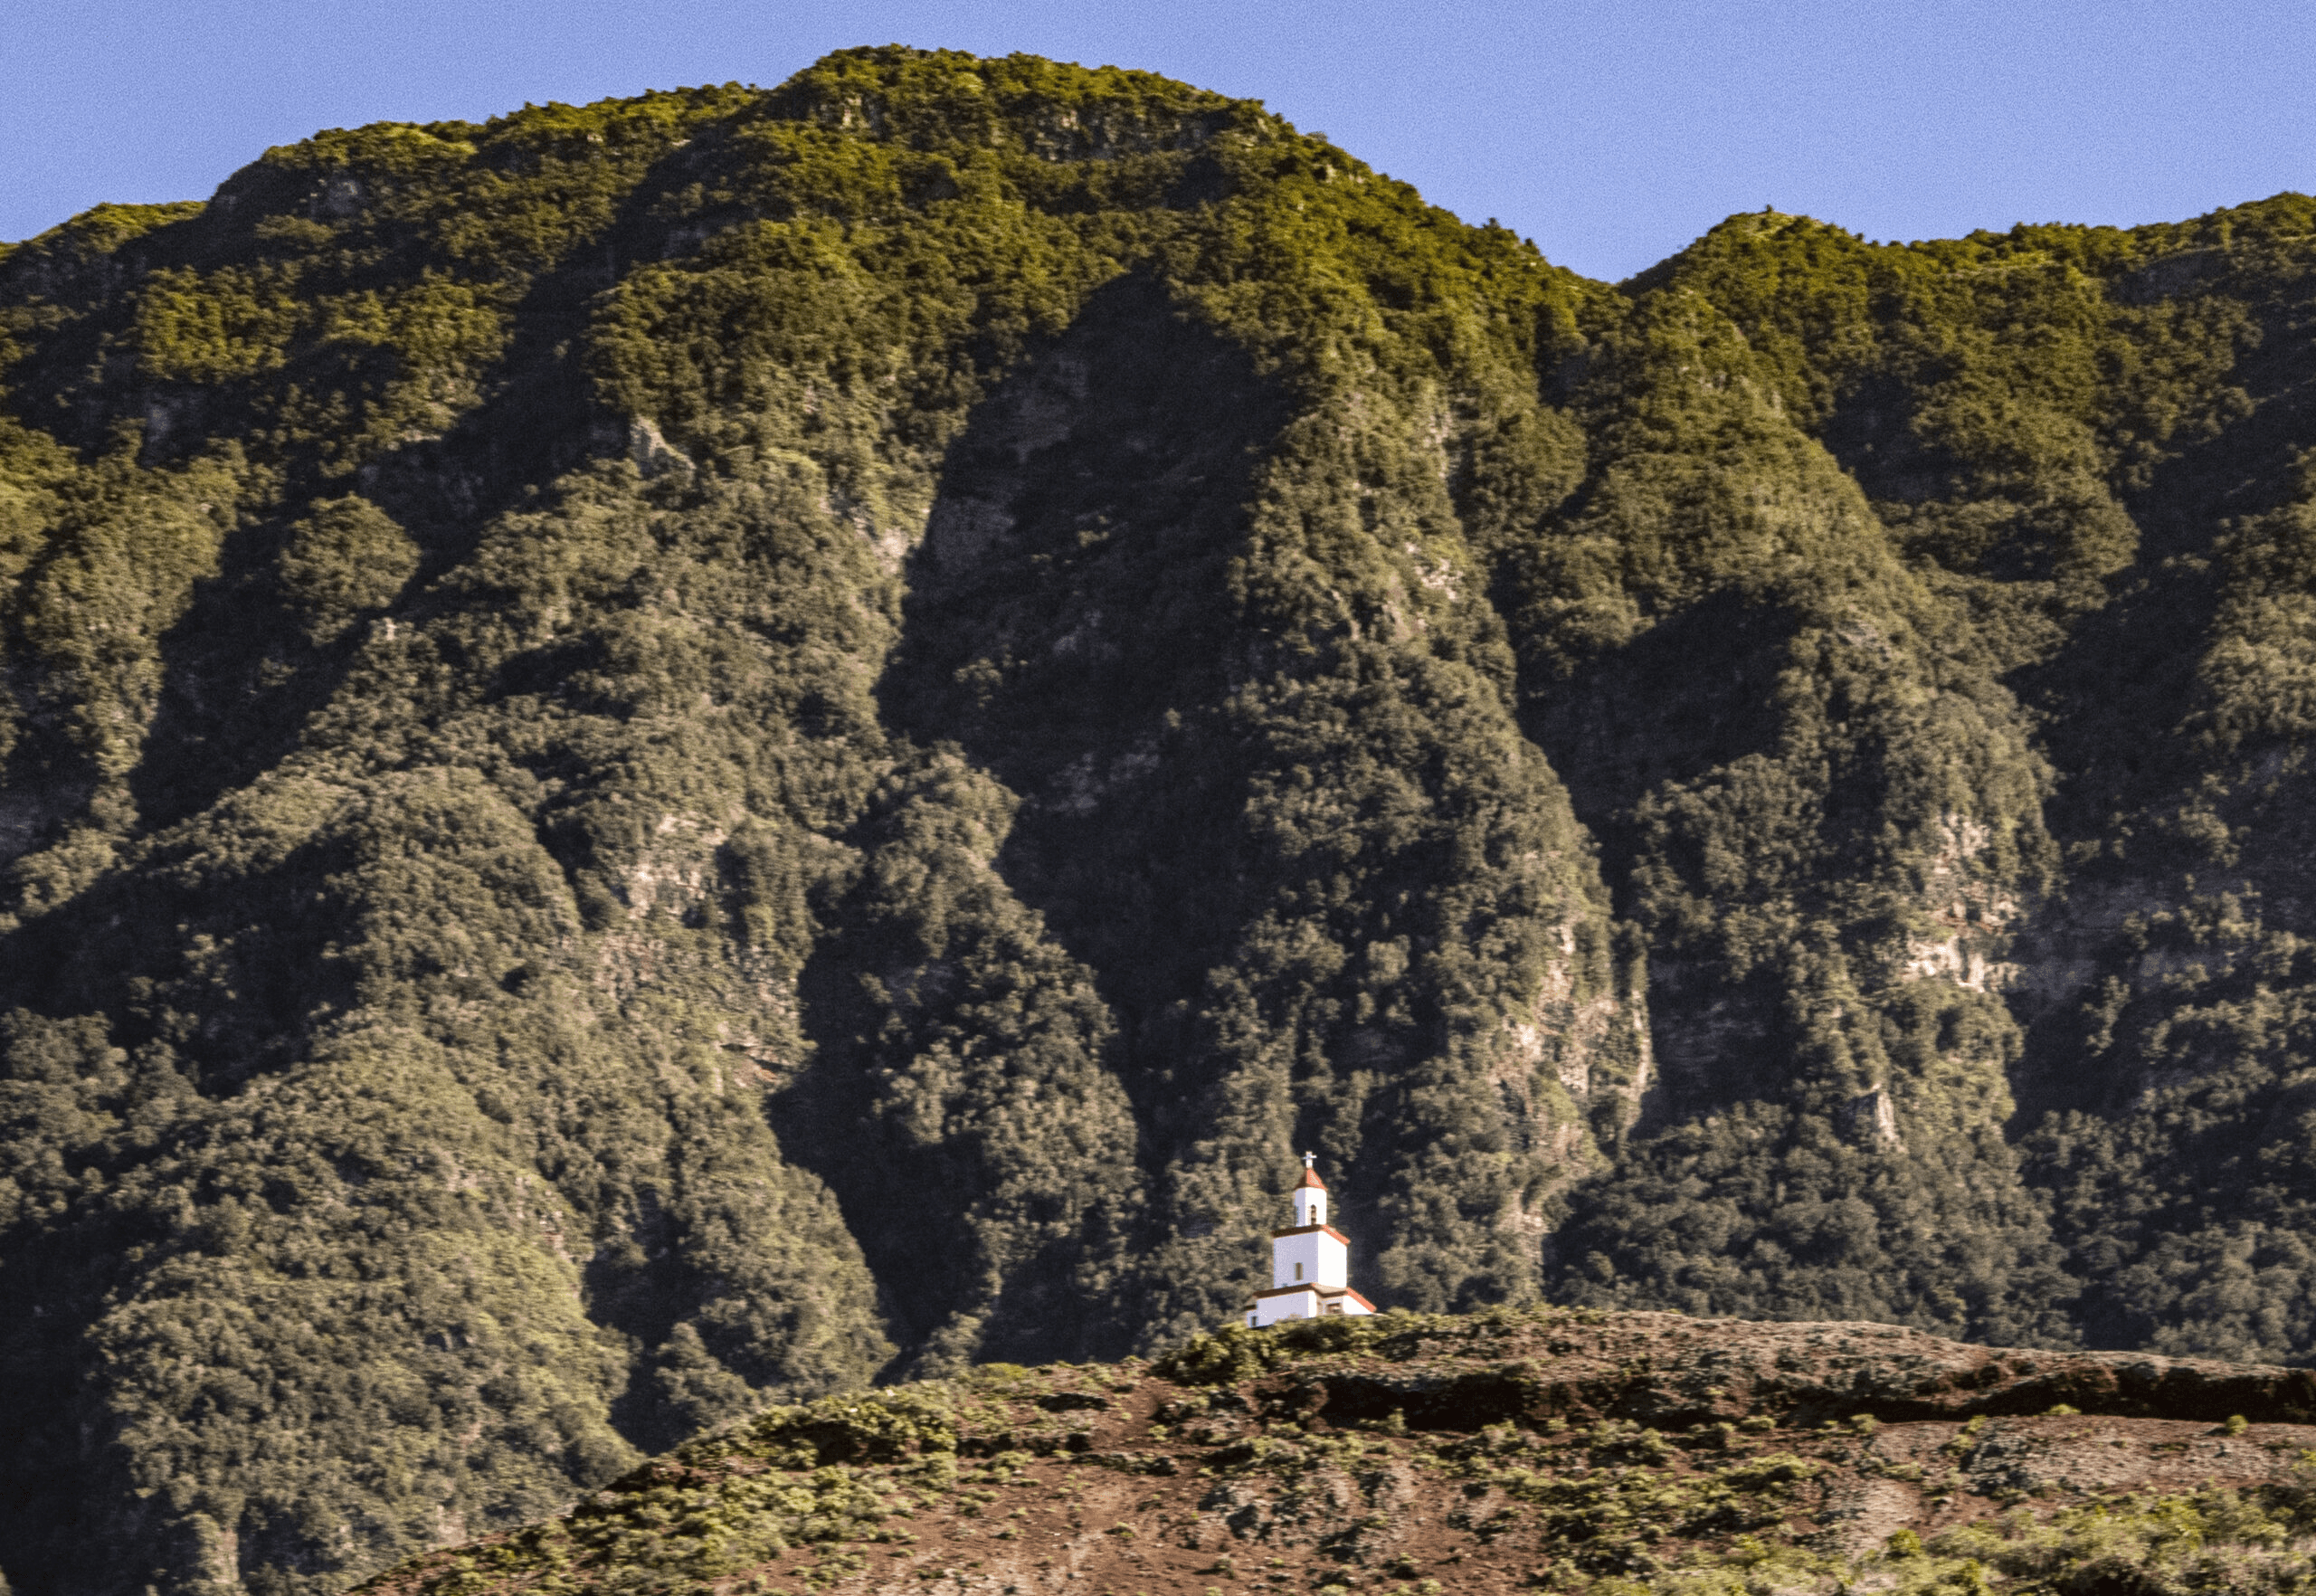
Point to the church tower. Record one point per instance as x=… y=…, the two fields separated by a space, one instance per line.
x=1309 y=1262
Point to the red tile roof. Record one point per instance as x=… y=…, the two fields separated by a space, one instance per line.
x=1315 y=1287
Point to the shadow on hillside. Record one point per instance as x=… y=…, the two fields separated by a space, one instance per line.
x=1693 y=693
x=239 y=681
x=1068 y=619
x=1071 y=617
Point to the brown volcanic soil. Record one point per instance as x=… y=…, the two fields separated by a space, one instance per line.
x=1496 y=1452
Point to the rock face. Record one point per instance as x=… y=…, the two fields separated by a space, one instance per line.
x=1496 y=1453
x=593 y=705
x=1674 y=1372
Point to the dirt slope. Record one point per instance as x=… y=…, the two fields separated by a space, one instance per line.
x=1513 y=1450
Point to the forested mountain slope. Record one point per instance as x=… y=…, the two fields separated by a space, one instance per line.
x=691 y=751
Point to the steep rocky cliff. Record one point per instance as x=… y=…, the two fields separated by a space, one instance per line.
x=680 y=753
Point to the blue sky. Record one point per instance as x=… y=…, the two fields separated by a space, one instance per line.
x=1609 y=133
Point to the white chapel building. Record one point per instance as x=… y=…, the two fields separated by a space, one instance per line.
x=1309 y=1263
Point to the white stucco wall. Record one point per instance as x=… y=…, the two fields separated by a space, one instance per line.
x=1323 y=1260
x=1288 y=1304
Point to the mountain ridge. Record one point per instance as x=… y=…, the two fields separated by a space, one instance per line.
x=583 y=690
x=1537 y=1450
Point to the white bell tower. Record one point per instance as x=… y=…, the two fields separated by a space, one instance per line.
x=1309 y=1262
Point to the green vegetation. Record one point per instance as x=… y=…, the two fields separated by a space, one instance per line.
x=346 y=558
x=661 y=756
